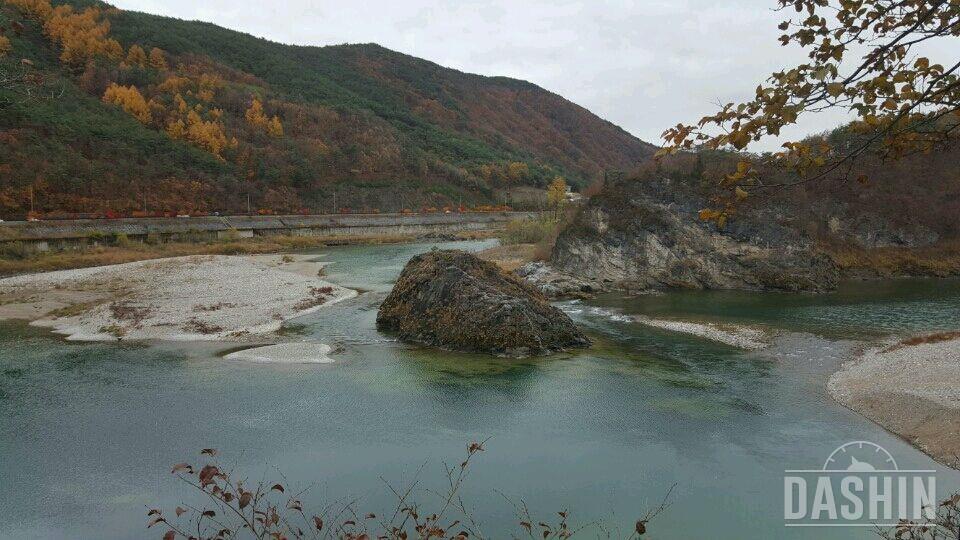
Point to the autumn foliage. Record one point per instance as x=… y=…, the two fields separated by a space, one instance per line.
x=81 y=35
x=260 y=121
x=130 y=100
x=292 y=130
x=863 y=59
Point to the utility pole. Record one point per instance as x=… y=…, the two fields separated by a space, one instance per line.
x=31 y=199
x=248 y=201
x=334 y=202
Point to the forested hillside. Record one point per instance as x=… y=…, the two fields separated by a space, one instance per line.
x=130 y=112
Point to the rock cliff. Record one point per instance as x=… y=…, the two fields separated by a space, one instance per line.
x=643 y=234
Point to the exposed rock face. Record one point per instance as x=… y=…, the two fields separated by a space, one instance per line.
x=454 y=300
x=645 y=234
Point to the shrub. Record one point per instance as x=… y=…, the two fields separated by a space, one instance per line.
x=528 y=231
x=15 y=250
x=236 y=507
x=120 y=240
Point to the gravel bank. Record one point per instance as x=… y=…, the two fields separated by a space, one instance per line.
x=206 y=297
x=911 y=390
x=743 y=337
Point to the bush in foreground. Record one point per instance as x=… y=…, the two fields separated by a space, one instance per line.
x=268 y=510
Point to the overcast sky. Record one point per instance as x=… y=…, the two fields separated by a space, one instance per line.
x=644 y=65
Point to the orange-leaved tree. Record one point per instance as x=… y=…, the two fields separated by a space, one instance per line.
x=257 y=118
x=867 y=57
x=136 y=56
x=130 y=100
x=157 y=59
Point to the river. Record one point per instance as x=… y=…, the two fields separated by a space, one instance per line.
x=89 y=431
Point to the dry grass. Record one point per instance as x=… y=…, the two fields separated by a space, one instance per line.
x=528 y=231
x=510 y=257
x=200 y=327
x=920 y=340
x=940 y=260
x=74 y=310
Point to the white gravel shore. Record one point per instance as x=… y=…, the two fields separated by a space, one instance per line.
x=911 y=390
x=743 y=337
x=203 y=297
x=286 y=353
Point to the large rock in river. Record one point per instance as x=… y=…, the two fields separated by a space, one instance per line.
x=455 y=300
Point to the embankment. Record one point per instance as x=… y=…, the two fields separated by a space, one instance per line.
x=342 y=228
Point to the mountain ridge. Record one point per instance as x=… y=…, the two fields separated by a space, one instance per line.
x=378 y=128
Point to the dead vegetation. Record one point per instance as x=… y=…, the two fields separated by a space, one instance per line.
x=114 y=330
x=132 y=313
x=920 y=340
x=197 y=326
x=318 y=297
x=233 y=507
x=74 y=310
x=510 y=257
x=200 y=308
x=939 y=260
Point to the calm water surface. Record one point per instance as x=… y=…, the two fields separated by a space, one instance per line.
x=88 y=431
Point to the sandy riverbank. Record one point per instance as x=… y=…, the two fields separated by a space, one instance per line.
x=203 y=297
x=912 y=389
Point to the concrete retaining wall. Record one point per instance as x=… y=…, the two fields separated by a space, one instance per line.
x=64 y=233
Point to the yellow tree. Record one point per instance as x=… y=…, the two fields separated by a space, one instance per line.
x=173 y=84
x=275 y=128
x=208 y=135
x=177 y=129
x=130 y=100
x=257 y=118
x=38 y=9
x=180 y=103
x=517 y=171
x=255 y=115
x=5 y=46
x=157 y=60
x=557 y=194
x=81 y=36
x=207 y=87
x=136 y=56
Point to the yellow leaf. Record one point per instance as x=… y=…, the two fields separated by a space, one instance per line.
x=835 y=89
x=741 y=193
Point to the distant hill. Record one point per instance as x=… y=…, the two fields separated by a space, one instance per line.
x=142 y=111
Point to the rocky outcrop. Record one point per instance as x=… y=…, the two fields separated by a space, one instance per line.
x=454 y=300
x=643 y=234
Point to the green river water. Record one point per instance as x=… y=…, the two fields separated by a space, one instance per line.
x=88 y=431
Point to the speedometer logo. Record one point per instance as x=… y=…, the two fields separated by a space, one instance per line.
x=860 y=456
